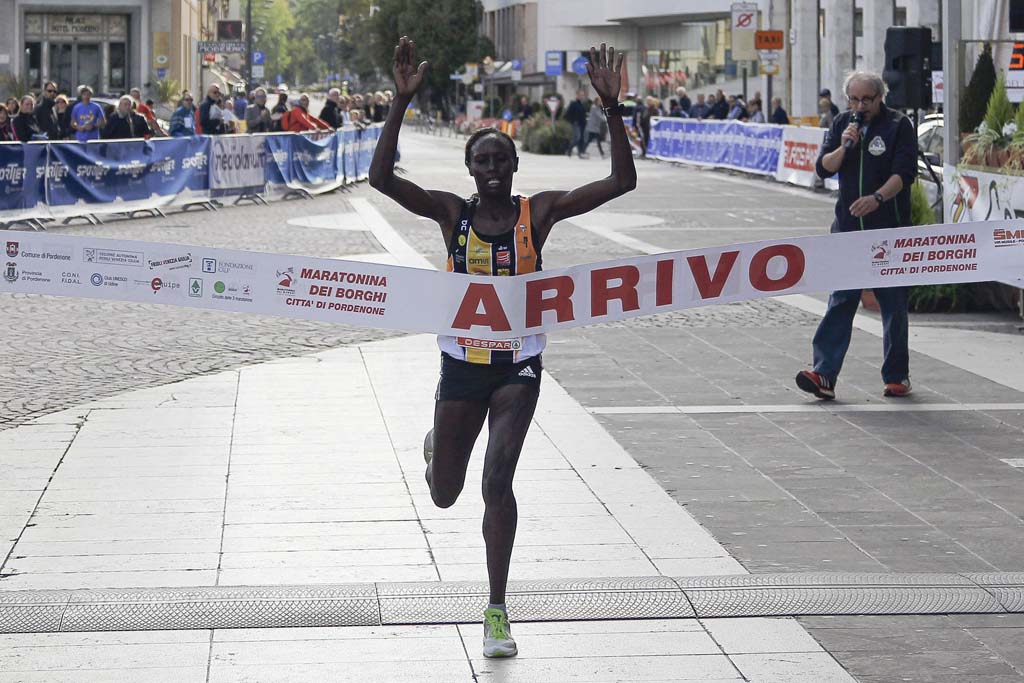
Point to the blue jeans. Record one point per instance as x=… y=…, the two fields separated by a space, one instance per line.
x=579 y=138
x=832 y=339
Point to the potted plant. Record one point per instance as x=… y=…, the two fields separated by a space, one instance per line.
x=987 y=146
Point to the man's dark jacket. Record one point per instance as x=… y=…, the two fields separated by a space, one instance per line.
x=576 y=113
x=888 y=146
x=46 y=117
x=331 y=115
x=208 y=125
x=125 y=127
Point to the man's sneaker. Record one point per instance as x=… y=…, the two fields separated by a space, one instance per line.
x=897 y=389
x=498 y=635
x=816 y=384
x=428 y=446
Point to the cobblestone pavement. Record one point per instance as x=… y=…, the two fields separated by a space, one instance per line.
x=60 y=352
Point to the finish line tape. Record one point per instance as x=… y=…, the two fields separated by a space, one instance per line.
x=501 y=308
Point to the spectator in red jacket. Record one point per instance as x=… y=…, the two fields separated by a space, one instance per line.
x=298 y=119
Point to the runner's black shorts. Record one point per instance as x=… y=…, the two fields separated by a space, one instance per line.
x=462 y=381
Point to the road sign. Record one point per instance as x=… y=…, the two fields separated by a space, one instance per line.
x=552 y=103
x=258 y=57
x=579 y=65
x=517 y=70
x=769 y=40
x=257 y=71
x=221 y=46
x=744 y=26
x=161 y=73
x=472 y=70
x=771 y=61
x=554 y=63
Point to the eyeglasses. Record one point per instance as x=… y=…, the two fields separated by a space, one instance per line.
x=862 y=100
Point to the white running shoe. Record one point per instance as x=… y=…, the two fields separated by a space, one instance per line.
x=498 y=635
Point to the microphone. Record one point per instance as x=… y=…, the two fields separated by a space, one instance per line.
x=859 y=120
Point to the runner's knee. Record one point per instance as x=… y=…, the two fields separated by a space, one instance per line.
x=444 y=497
x=496 y=487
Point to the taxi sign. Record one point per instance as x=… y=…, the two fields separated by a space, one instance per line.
x=769 y=40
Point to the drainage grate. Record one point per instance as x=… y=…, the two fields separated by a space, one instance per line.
x=656 y=597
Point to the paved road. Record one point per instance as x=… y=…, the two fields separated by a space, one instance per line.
x=781 y=488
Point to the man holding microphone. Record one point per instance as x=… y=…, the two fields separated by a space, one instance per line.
x=874 y=151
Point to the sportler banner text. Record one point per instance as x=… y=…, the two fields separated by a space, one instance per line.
x=502 y=308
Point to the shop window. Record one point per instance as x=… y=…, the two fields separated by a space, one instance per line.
x=33 y=64
x=118 y=67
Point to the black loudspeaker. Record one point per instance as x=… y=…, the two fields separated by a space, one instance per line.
x=1016 y=16
x=908 y=70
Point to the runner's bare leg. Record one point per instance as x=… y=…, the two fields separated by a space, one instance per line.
x=457 y=425
x=512 y=408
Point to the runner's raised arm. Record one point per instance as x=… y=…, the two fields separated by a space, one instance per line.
x=437 y=205
x=605 y=70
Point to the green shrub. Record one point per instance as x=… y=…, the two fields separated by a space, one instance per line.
x=999 y=111
x=538 y=136
x=975 y=99
x=929 y=298
x=920 y=212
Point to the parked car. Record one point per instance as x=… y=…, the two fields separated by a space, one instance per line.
x=929 y=141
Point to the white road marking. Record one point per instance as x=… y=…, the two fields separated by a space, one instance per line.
x=829 y=407
x=389 y=237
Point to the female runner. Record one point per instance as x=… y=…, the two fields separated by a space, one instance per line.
x=493 y=233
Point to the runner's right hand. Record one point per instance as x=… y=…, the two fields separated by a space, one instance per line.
x=408 y=78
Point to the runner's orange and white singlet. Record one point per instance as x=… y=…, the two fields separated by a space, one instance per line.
x=511 y=253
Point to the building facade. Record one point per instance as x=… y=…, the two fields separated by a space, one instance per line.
x=671 y=43
x=111 y=47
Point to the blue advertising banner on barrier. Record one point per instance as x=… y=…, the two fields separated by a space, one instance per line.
x=314 y=163
x=349 y=138
x=62 y=179
x=127 y=173
x=22 y=178
x=753 y=148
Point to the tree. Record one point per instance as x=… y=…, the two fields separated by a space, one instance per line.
x=446 y=34
x=274 y=21
x=975 y=98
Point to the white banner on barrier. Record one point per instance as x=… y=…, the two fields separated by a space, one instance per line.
x=495 y=308
x=238 y=162
x=972 y=195
x=799 y=155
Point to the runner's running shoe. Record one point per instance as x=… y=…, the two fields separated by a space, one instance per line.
x=498 y=635
x=816 y=384
x=897 y=389
x=428 y=446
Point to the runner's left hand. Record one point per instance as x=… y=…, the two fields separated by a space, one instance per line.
x=606 y=73
x=863 y=206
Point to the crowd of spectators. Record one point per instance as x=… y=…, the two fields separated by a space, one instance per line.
x=53 y=116
x=719 y=106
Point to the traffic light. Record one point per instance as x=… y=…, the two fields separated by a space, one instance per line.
x=908 y=70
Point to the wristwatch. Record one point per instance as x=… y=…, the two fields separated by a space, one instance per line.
x=879 y=198
x=617 y=110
